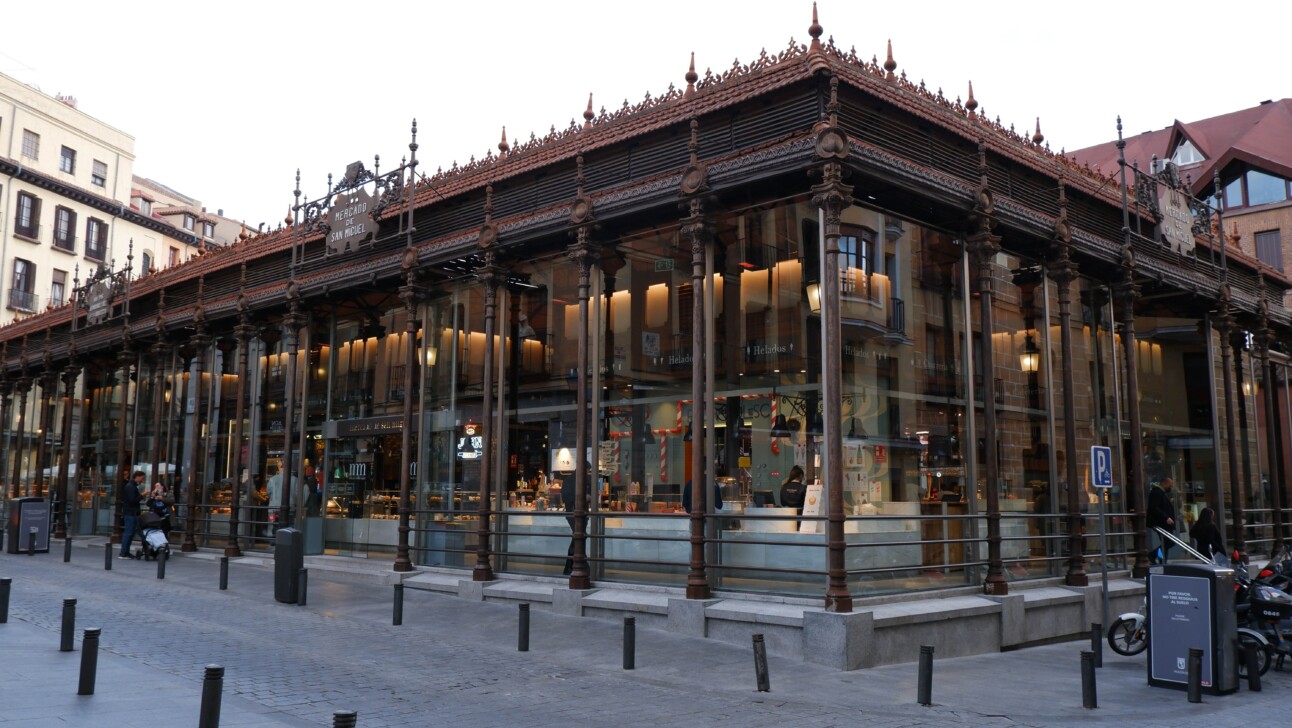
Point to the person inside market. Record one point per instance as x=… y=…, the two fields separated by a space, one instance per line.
x=793 y=491
x=130 y=500
x=1206 y=534
x=1161 y=514
x=567 y=499
x=686 y=497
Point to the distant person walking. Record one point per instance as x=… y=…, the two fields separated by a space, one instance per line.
x=1161 y=514
x=131 y=497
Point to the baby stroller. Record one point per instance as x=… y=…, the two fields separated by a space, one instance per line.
x=151 y=527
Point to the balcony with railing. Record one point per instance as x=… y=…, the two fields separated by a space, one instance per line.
x=26 y=301
x=27 y=232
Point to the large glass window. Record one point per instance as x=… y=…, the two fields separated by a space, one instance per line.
x=1264 y=188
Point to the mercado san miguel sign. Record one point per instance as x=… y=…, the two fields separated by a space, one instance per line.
x=350 y=222
x=1177 y=220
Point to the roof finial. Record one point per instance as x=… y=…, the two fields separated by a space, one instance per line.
x=587 y=114
x=1038 y=137
x=691 y=77
x=890 y=65
x=815 y=30
x=288 y=220
x=503 y=146
x=972 y=104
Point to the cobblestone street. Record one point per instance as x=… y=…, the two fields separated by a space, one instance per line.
x=454 y=662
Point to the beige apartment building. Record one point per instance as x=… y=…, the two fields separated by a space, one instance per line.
x=69 y=203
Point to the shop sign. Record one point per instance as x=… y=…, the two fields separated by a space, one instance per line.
x=351 y=223
x=650 y=343
x=98 y=301
x=471 y=443
x=881 y=453
x=1177 y=220
x=663 y=264
x=767 y=351
x=813 y=505
x=369 y=426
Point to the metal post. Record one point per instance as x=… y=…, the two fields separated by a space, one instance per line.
x=5 y=586
x=1097 y=642
x=522 y=638
x=212 y=686
x=345 y=719
x=1195 y=675
x=107 y=556
x=398 y=617
x=67 y=549
x=1089 y=693
x=1251 y=661
x=224 y=573
x=31 y=542
x=89 y=661
x=924 y=689
x=630 y=643
x=302 y=586
x=760 y=665
x=161 y=564
x=69 y=626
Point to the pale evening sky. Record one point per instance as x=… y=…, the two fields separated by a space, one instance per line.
x=226 y=100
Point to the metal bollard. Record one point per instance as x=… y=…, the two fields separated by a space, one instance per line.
x=212 y=686
x=67 y=549
x=5 y=585
x=161 y=564
x=69 y=626
x=31 y=542
x=522 y=637
x=924 y=689
x=1250 y=659
x=630 y=643
x=398 y=617
x=345 y=719
x=760 y=665
x=89 y=661
x=1089 y=692
x=1097 y=642
x=302 y=586
x=107 y=556
x=1195 y=675
x=224 y=573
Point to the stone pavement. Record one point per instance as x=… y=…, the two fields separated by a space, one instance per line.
x=454 y=663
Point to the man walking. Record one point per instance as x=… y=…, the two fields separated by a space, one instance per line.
x=131 y=497
x=1161 y=514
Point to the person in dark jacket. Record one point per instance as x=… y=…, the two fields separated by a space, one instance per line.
x=567 y=499
x=793 y=491
x=157 y=504
x=1161 y=514
x=686 y=497
x=130 y=500
x=1206 y=534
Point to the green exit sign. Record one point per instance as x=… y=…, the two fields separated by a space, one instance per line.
x=663 y=264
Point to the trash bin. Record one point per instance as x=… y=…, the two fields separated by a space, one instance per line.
x=28 y=516
x=1191 y=605
x=289 y=559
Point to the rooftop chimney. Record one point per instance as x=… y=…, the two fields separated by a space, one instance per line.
x=71 y=100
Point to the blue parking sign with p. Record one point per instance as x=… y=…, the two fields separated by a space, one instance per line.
x=1101 y=466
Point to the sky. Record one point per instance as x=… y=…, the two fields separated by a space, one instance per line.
x=227 y=100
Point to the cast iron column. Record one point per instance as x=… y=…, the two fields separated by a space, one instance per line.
x=126 y=358
x=1125 y=292
x=199 y=342
x=61 y=525
x=984 y=246
x=1076 y=575
x=48 y=388
x=1224 y=323
x=695 y=228
x=1264 y=337
x=583 y=253
x=410 y=294
x=244 y=332
x=292 y=323
x=6 y=411
x=491 y=275
x=161 y=352
x=831 y=196
x=23 y=385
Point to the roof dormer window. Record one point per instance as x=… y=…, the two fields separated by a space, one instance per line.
x=1186 y=154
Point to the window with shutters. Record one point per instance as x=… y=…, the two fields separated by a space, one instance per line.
x=26 y=221
x=1269 y=249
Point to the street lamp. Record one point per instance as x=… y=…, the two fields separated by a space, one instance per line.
x=1030 y=360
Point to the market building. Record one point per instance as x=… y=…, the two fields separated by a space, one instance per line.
x=517 y=366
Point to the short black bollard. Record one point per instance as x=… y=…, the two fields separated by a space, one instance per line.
x=107 y=556
x=161 y=564
x=67 y=549
x=630 y=643
x=1097 y=642
x=212 y=687
x=31 y=542
x=522 y=636
x=924 y=689
x=1089 y=693
x=345 y=719
x=302 y=586
x=398 y=617
x=1250 y=660
x=760 y=665
x=5 y=585
x=89 y=661
x=224 y=573
x=69 y=626
x=1195 y=675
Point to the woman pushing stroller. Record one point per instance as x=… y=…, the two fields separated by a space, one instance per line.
x=155 y=523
